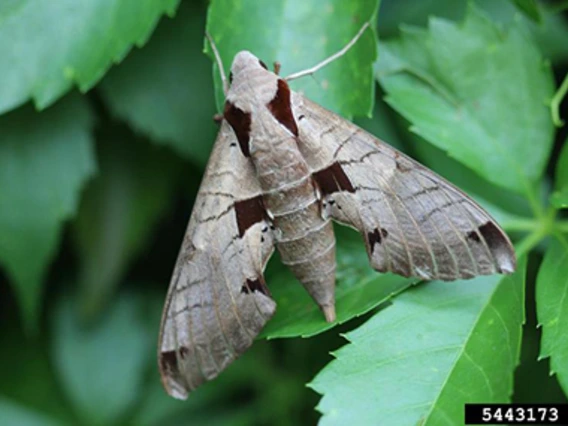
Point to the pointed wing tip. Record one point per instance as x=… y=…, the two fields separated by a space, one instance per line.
x=505 y=256
x=173 y=387
x=182 y=396
x=172 y=381
x=329 y=313
x=508 y=265
x=177 y=393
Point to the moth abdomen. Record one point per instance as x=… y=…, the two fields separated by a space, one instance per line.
x=306 y=244
x=291 y=196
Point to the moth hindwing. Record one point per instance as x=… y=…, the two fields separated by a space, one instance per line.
x=282 y=168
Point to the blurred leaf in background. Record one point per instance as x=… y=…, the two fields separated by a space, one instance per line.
x=45 y=159
x=96 y=189
x=119 y=212
x=42 y=61
x=165 y=90
x=118 y=345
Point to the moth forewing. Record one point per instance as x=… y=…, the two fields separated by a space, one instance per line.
x=281 y=169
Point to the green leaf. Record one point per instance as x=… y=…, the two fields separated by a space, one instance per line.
x=165 y=90
x=12 y=413
x=26 y=374
x=491 y=197
x=552 y=308
x=550 y=33
x=119 y=211
x=416 y=12
x=47 y=46
x=381 y=124
x=418 y=361
x=45 y=160
x=289 y=32
x=477 y=93
x=102 y=367
x=529 y=8
x=358 y=290
x=551 y=36
x=559 y=198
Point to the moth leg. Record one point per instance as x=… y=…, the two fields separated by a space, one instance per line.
x=277 y=67
x=219 y=63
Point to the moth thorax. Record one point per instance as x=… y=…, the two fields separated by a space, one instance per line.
x=245 y=61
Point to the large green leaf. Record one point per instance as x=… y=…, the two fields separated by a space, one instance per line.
x=165 y=90
x=358 y=290
x=47 y=46
x=550 y=34
x=476 y=92
x=467 y=180
x=12 y=413
x=119 y=211
x=101 y=367
x=529 y=8
x=418 y=361
x=44 y=161
x=559 y=197
x=28 y=386
x=552 y=308
x=291 y=33
x=416 y=12
x=382 y=124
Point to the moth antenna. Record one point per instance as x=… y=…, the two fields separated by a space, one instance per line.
x=331 y=58
x=219 y=62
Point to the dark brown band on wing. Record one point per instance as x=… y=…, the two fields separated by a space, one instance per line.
x=169 y=362
x=376 y=237
x=491 y=234
x=249 y=212
x=240 y=122
x=333 y=179
x=498 y=245
x=255 y=285
x=281 y=108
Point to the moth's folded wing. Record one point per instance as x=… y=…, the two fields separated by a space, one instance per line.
x=217 y=302
x=414 y=222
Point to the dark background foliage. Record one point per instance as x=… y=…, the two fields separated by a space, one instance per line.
x=106 y=125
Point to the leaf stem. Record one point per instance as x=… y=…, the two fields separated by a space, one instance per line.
x=521 y=224
x=545 y=225
x=532 y=198
x=529 y=242
x=557 y=100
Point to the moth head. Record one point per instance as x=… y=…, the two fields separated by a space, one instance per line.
x=245 y=62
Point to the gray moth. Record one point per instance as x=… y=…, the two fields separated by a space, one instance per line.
x=282 y=168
